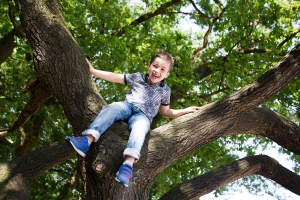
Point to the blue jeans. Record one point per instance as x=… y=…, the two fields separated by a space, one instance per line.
x=138 y=122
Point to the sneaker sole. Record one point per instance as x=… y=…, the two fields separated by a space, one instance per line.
x=77 y=150
x=120 y=181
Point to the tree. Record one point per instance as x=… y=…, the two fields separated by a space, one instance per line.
x=62 y=77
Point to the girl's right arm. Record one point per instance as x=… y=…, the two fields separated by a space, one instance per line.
x=109 y=76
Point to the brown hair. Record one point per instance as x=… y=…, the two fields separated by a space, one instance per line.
x=165 y=56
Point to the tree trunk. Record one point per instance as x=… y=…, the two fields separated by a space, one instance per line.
x=61 y=68
x=59 y=62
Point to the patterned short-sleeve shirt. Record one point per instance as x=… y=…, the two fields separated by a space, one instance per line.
x=145 y=95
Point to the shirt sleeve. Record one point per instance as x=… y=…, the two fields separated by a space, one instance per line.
x=129 y=79
x=165 y=101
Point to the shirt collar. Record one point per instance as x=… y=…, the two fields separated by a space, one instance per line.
x=161 y=84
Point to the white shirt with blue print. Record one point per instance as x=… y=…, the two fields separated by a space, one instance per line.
x=145 y=95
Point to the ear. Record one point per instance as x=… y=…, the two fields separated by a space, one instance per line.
x=167 y=75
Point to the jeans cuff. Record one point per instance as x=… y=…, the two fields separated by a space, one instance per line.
x=132 y=152
x=92 y=132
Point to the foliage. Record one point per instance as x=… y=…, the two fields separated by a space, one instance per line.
x=247 y=38
x=63 y=180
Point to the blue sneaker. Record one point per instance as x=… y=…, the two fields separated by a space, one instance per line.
x=124 y=174
x=80 y=144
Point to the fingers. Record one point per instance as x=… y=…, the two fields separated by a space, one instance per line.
x=89 y=65
x=194 y=109
x=88 y=62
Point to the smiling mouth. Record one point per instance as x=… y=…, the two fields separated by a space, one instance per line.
x=155 y=76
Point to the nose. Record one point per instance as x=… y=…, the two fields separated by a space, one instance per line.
x=157 y=70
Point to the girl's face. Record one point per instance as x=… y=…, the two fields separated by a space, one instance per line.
x=158 y=70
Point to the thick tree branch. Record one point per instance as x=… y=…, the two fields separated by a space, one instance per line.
x=68 y=79
x=61 y=151
x=16 y=176
x=199 y=128
x=264 y=122
x=262 y=165
x=260 y=121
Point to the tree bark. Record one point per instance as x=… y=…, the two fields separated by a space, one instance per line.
x=259 y=121
x=262 y=165
x=205 y=124
x=264 y=122
x=61 y=67
x=59 y=62
x=106 y=159
x=16 y=176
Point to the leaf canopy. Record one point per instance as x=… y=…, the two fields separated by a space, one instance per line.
x=228 y=45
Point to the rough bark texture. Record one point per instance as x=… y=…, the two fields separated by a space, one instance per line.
x=59 y=62
x=262 y=165
x=267 y=123
x=54 y=154
x=260 y=121
x=16 y=176
x=61 y=69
